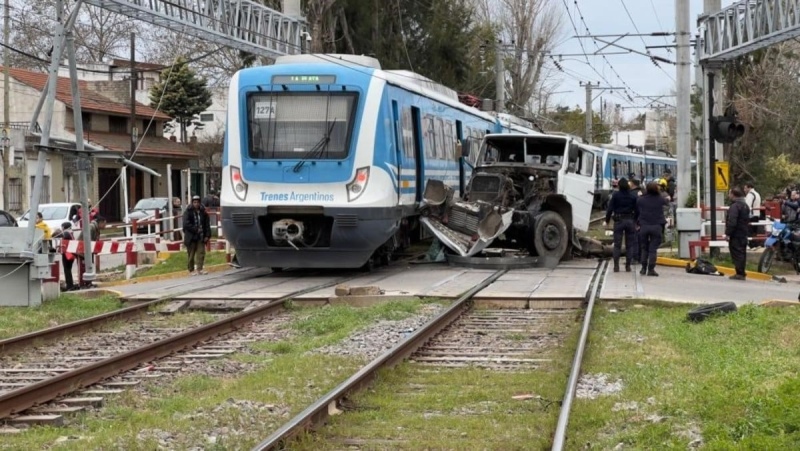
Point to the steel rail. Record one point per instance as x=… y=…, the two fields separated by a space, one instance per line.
x=320 y=410
x=22 y=341
x=24 y=398
x=572 y=382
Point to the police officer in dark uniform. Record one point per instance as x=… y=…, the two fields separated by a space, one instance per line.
x=737 y=226
x=622 y=207
x=651 y=223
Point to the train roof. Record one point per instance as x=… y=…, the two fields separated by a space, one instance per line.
x=410 y=81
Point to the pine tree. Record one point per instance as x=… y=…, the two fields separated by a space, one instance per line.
x=184 y=97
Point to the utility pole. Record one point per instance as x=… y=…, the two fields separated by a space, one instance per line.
x=6 y=107
x=132 y=119
x=684 y=86
x=500 y=77
x=711 y=153
x=589 y=88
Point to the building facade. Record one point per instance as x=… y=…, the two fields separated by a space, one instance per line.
x=106 y=121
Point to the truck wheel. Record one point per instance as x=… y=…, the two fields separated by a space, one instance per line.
x=550 y=237
x=765 y=262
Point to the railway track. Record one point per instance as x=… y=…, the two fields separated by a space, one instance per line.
x=17 y=343
x=462 y=336
x=65 y=371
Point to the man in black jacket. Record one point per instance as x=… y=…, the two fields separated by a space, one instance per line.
x=737 y=225
x=196 y=233
x=622 y=207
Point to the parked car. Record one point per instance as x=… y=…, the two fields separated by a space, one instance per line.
x=7 y=220
x=144 y=210
x=53 y=214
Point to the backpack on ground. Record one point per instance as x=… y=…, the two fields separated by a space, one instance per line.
x=702 y=266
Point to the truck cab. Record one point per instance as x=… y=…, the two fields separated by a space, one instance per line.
x=527 y=191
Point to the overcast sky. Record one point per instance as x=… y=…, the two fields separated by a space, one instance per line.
x=636 y=72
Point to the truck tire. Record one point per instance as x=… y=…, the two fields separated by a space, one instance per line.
x=550 y=236
x=765 y=262
x=704 y=311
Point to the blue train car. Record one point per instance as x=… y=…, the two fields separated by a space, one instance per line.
x=326 y=157
x=615 y=162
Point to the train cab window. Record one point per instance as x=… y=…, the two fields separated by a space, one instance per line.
x=291 y=125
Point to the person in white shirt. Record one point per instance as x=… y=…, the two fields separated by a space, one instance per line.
x=753 y=200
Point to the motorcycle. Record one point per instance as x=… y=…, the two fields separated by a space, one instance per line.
x=783 y=244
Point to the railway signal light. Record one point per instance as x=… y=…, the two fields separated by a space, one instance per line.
x=726 y=129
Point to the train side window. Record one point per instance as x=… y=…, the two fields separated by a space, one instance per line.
x=430 y=149
x=449 y=140
x=439 y=134
x=408 y=134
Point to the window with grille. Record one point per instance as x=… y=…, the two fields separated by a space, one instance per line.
x=44 y=198
x=207 y=117
x=15 y=194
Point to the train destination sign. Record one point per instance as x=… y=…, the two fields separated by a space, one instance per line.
x=303 y=79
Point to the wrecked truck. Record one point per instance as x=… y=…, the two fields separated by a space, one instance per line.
x=525 y=191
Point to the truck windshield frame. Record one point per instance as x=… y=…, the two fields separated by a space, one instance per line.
x=528 y=150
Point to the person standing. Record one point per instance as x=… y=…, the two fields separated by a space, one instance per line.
x=651 y=225
x=622 y=207
x=753 y=201
x=67 y=258
x=737 y=225
x=196 y=233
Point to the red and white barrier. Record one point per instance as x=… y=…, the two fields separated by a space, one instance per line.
x=98 y=247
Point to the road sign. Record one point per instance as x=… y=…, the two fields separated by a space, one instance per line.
x=722 y=175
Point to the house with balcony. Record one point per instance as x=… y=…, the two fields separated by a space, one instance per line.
x=107 y=124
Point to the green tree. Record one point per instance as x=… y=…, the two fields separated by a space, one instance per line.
x=574 y=122
x=184 y=96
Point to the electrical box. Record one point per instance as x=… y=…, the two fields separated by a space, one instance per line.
x=688 y=219
x=21 y=276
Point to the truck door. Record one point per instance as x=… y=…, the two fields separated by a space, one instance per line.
x=578 y=185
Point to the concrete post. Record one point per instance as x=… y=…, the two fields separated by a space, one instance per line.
x=131 y=260
x=500 y=76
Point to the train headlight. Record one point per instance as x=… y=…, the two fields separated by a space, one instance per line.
x=356 y=187
x=239 y=186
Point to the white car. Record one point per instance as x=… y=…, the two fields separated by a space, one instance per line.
x=53 y=214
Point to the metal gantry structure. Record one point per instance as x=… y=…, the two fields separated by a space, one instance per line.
x=746 y=26
x=240 y=24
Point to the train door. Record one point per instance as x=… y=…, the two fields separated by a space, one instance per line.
x=419 y=157
x=398 y=146
x=462 y=182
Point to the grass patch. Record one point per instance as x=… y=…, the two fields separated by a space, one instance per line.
x=231 y=412
x=729 y=381
x=417 y=407
x=178 y=262
x=19 y=320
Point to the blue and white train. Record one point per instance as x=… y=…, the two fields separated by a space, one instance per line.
x=616 y=161
x=326 y=158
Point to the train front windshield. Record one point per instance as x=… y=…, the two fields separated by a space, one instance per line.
x=300 y=125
